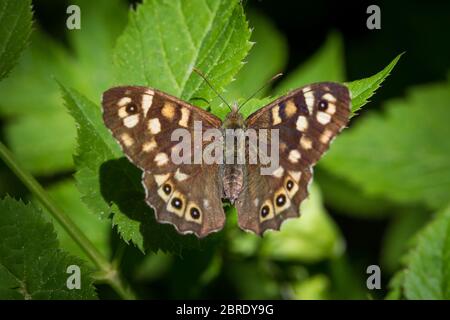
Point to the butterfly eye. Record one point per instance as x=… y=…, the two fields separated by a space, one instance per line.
x=131 y=108
x=289 y=185
x=177 y=203
x=265 y=211
x=323 y=105
x=281 y=200
x=195 y=213
x=167 y=189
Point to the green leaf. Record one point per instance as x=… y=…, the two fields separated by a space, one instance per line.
x=315 y=287
x=398 y=235
x=31 y=264
x=110 y=184
x=31 y=99
x=348 y=199
x=101 y=24
x=363 y=89
x=165 y=40
x=325 y=65
x=15 y=22
x=379 y=156
x=428 y=271
x=267 y=57
x=98 y=231
x=43 y=142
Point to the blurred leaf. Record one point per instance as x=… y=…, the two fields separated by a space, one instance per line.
x=396 y=286
x=400 y=155
x=347 y=199
x=153 y=267
x=310 y=238
x=32 y=89
x=101 y=24
x=67 y=196
x=348 y=278
x=31 y=264
x=326 y=65
x=15 y=28
x=313 y=288
x=109 y=183
x=427 y=275
x=398 y=235
x=43 y=142
x=363 y=89
x=31 y=99
x=252 y=280
x=266 y=58
x=165 y=40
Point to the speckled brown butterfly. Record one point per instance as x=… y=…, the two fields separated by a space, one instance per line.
x=189 y=196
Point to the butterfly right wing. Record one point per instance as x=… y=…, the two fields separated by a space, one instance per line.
x=143 y=120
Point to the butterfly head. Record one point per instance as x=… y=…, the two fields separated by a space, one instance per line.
x=234 y=119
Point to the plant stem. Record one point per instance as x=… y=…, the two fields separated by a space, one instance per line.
x=111 y=275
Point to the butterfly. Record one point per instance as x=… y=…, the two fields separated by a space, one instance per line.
x=189 y=196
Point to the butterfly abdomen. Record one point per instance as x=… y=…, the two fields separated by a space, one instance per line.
x=233 y=181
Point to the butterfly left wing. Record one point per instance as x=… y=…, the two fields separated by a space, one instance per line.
x=307 y=119
x=142 y=120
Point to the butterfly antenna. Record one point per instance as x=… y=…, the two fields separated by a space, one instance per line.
x=210 y=85
x=259 y=90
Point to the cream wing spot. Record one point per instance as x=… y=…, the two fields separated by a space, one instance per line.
x=127 y=140
x=154 y=125
x=291 y=187
x=176 y=204
x=296 y=175
x=326 y=136
x=166 y=190
x=149 y=146
x=161 y=159
x=122 y=112
x=124 y=101
x=302 y=123
x=331 y=108
x=180 y=176
x=193 y=213
x=281 y=201
x=278 y=173
x=184 y=117
x=290 y=108
x=305 y=142
x=147 y=100
x=323 y=117
x=266 y=211
x=276 y=115
x=131 y=121
x=161 y=178
x=309 y=99
x=294 y=156
x=329 y=97
x=168 y=111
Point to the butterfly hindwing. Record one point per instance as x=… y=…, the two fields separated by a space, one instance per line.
x=308 y=119
x=142 y=120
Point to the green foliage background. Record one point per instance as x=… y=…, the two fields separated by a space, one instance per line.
x=392 y=166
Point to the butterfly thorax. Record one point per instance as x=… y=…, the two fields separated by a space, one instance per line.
x=232 y=173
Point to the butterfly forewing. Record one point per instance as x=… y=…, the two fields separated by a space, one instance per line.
x=308 y=119
x=142 y=120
